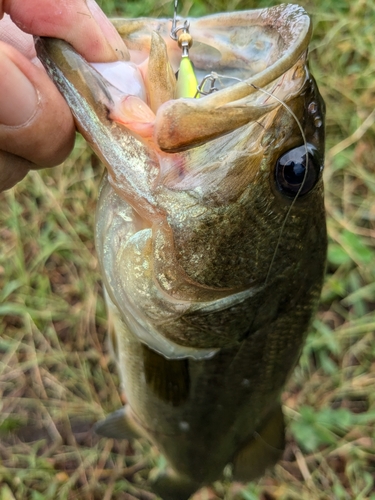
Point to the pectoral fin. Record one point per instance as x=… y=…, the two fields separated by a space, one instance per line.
x=120 y=425
x=262 y=451
x=168 y=378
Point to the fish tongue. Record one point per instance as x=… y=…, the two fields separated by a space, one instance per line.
x=160 y=79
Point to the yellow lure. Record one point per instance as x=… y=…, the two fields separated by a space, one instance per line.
x=187 y=81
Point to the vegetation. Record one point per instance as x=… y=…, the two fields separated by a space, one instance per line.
x=56 y=376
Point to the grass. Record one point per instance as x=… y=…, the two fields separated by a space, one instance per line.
x=56 y=376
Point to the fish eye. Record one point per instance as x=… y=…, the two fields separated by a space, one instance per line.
x=291 y=174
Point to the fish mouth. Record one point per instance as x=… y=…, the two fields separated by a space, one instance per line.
x=245 y=50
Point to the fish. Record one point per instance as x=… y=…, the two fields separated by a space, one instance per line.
x=210 y=231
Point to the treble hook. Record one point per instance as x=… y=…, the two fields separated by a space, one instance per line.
x=212 y=77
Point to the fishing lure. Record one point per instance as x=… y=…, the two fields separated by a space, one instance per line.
x=187 y=83
x=210 y=230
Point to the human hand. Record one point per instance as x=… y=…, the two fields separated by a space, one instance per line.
x=36 y=127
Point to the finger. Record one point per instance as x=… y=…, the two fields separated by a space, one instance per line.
x=79 y=22
x=12 y=170
x=12 y=35
x=36 y=123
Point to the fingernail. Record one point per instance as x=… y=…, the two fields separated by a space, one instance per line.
x=110 y=33
x=18 y=97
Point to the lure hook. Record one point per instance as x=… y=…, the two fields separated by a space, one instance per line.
x=212 y=77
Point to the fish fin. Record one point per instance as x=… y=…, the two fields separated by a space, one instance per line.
x=263 y=450
x=170 y=485
x=167 y=378
x=119 y=425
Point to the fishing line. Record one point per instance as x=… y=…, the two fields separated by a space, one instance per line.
x=304 y=177
x=212 y=77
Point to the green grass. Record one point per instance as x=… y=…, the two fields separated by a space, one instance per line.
x=56 y=376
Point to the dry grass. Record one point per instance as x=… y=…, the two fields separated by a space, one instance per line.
x=56 y=377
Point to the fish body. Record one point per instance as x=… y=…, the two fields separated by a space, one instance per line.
x=210 y=233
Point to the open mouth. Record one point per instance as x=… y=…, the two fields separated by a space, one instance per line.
x=177 y=96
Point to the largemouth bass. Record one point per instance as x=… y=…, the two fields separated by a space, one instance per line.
x=210 y=231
